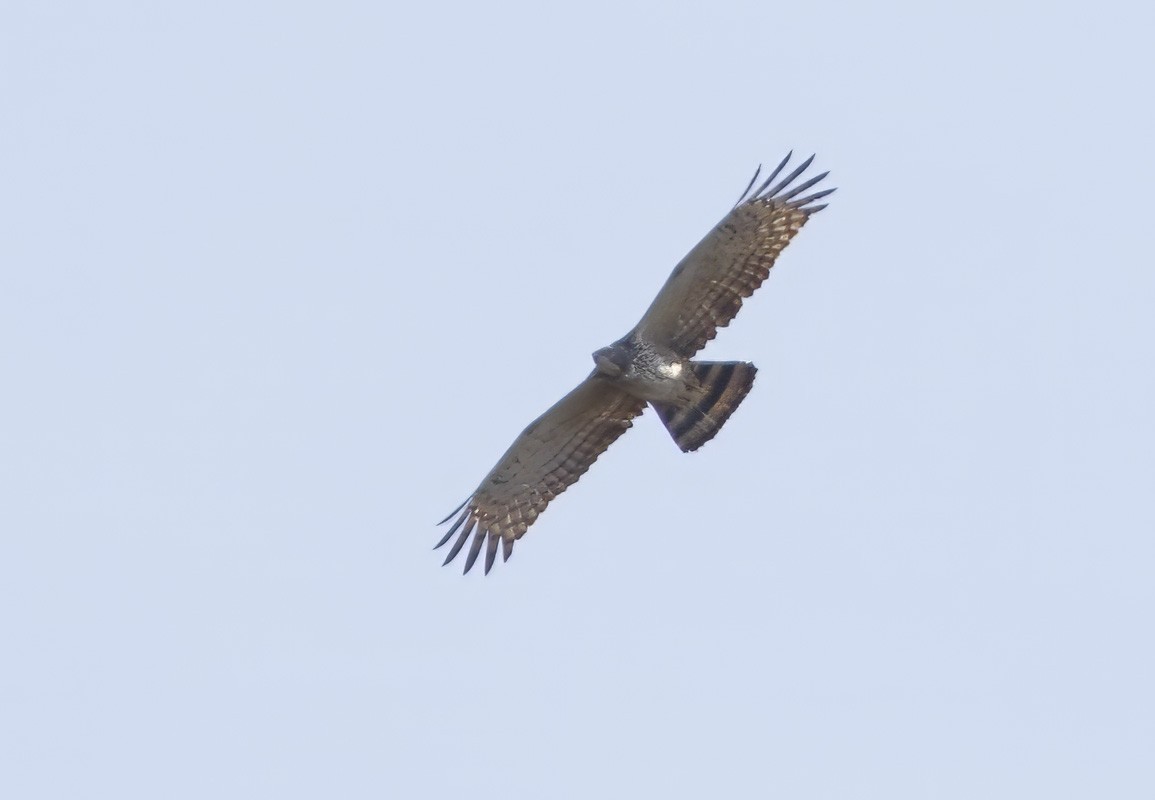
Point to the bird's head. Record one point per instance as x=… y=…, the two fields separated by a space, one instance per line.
x=611 y=361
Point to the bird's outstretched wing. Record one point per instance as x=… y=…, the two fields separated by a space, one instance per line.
x=551 y=454
x=706 y=289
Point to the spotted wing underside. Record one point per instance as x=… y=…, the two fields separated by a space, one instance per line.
x=706 y=289
x=549 y=456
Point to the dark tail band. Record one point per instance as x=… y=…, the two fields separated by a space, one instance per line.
x=726 y=384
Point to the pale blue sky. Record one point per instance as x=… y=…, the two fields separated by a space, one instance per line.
x=280 y=282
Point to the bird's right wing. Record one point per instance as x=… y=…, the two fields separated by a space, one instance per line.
x=551 y=454
x=706 y=289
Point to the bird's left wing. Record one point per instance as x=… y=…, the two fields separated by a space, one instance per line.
x=551 y=454
x=706 y=289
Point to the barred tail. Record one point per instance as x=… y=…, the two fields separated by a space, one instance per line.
x=726 y=383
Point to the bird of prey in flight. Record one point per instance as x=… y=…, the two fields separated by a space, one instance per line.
x=650 y=364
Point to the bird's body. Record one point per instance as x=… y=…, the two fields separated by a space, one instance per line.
x=646 y=371
x=652 y=364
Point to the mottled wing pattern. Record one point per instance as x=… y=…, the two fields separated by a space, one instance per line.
x=551 y=454
x=706 y=289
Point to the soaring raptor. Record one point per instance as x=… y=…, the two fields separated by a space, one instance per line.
x=650 y=364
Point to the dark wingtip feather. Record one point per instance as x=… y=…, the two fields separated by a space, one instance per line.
x=454 y=511
x=453 y=551
x=770 y=178
x=802 y=187
x=452 y=529
x=491 y=552
x=746 y=191
x=506 y=549
x=803 y=204
x=474 y=549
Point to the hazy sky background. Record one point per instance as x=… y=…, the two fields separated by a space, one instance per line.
x=279 y=282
